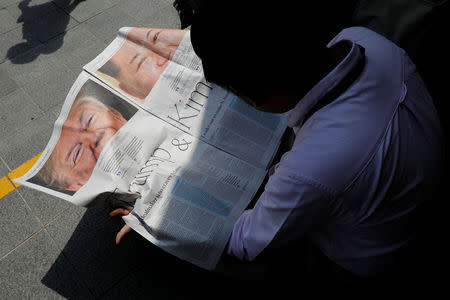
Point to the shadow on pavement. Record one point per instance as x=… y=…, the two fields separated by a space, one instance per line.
x=91 y=266
x=40 y=23
x=133 y=269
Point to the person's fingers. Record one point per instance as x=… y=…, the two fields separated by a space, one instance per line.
x=119 y=212
x=125 y=229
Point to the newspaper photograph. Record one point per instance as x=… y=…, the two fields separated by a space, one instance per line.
x=90 y=117
x=185 y=176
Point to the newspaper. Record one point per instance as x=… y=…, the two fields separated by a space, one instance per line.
x=141 y=128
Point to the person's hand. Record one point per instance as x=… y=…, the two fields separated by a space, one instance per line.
x=116 y=215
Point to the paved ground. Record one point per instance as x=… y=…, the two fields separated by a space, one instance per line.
x=48 y=247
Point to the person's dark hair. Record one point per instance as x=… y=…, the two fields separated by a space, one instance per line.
x=186 y=10
x=110 y=68
x=254 y=45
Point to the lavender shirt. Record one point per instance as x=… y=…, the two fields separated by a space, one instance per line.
x=355 y=172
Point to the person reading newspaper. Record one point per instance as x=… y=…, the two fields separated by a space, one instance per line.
x=364 y=157
x=181 y=161
x=368 y=141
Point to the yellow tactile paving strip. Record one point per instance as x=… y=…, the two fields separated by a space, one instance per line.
x=6 y=183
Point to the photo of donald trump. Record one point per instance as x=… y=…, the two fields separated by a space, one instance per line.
x=94 y=118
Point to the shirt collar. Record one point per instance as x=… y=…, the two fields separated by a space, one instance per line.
x=326 y=84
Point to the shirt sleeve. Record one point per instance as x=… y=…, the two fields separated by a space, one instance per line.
x=289 y=206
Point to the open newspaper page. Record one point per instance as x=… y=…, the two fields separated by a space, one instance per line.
x=159 y=70
x=104 y=151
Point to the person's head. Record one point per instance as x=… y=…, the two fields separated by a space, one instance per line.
x=268 y=54
x=88 y=127
x=142 y=58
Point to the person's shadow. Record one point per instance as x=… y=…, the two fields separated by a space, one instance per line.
x=41 y=23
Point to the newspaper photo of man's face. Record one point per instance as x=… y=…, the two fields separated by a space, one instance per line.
x=142 y=59
x=88 y=127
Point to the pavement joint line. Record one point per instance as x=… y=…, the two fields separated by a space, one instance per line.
x=4 y=162
x=20 y=244
x=62 y=252
x=7 y=184
x=53 y=240
x=59 y=216
x=30 y=209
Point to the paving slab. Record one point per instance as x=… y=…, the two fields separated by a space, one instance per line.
x=79 y=46
x=30 y=10
x=62 y=228
x=86 y=237
x=40 y=19
x=105 y=26
x=7 y=21
x=13 y=119
x=36 y=270
x=165 y=17
x=84 y=10
x=7 y=85
x=6 y=3
x=16 y=224
x=44 y=78
x=43 y=206
x=3 y=169
x=143 y=10
x=89 y=245
x=53 y=24
x=56 y=110
x=27 y=142
x=14 y=43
